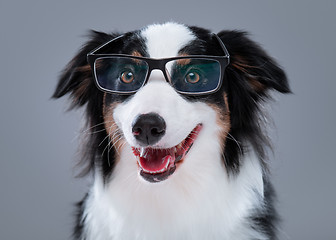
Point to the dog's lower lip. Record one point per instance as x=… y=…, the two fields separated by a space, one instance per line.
x=158 y=164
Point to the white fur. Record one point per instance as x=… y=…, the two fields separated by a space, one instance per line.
x=199 y=201
x=176 y=36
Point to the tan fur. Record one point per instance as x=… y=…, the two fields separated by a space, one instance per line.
x=223 y=120
x=84 y=85
x=115 y=134
x=241 y=64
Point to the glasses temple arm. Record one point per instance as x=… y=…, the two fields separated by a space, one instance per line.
x=222 y=45
x=105 y=44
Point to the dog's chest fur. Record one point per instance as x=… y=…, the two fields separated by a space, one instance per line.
x=213 y=206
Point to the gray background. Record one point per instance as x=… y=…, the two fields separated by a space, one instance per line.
x=38 y=138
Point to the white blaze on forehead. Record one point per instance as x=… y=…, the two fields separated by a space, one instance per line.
x=166 y=40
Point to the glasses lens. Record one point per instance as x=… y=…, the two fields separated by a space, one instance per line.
x=120 y=74
x=194 y=75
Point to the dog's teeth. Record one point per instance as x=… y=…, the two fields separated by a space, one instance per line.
x=142 y=152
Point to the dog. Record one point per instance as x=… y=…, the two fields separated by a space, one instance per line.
x=175 y=137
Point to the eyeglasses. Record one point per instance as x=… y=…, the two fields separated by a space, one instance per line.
x=126 y=74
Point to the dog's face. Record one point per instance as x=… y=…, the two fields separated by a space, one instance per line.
x=162 y=127
x=159 y=132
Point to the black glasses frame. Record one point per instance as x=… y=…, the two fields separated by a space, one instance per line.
x=154 y=64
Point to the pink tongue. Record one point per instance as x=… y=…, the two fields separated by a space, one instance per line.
x=156 y=160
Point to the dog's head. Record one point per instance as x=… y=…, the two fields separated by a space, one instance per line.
x=171 y=99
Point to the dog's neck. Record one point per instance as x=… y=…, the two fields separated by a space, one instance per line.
x=198 y=205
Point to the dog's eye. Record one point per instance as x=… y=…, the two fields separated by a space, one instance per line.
x=192 y=77
x=127 y=77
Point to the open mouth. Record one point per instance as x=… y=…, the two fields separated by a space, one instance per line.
x=157 y=164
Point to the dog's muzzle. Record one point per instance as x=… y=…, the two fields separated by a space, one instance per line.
x=157 y=164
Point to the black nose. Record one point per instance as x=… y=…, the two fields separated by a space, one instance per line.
x=149 y=128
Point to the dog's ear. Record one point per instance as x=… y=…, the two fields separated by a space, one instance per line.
x=76 y=79
x=249 y=76
x=252 y=64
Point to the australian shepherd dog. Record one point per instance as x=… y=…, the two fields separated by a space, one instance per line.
x=175 y=136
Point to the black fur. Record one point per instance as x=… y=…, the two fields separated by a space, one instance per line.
x=71 y=80
x=247 y=80
x=248 y=63
x=80 y=218
x=266 y=220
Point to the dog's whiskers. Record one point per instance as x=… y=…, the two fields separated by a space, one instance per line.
x=86 y=131
x=108 y=144
x=108 y=134
x=114 y=142
x=122 y=145
x=229 y=136
x=108 y=154
x=103 y=141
